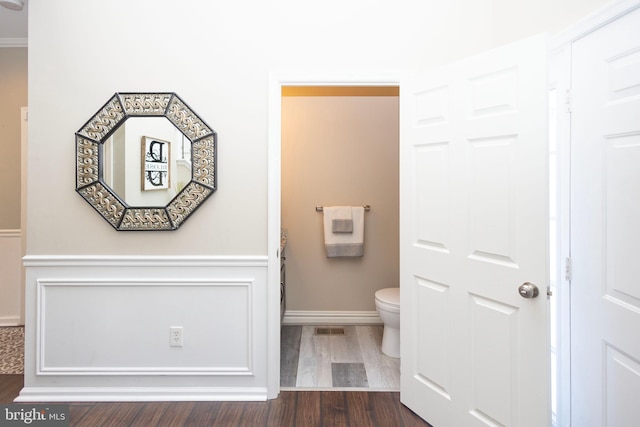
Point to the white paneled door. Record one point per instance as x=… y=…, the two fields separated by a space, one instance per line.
x=474 y=221
x=605 y=225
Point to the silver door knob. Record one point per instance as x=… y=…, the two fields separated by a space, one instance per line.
x=528 y=290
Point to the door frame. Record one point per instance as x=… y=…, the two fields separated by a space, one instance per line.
x=276 y=81
x=560 y=78
x=24 y=139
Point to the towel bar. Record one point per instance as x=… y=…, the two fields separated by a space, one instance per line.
x=367 y=208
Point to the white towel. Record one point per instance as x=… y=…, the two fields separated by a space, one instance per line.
x=344 y=244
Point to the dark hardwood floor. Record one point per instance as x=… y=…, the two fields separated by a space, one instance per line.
x=292 y=408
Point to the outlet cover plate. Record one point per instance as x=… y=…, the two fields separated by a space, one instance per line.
x=175 y=336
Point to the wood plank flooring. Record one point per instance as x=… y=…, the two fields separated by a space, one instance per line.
x=351 y=361
x=291 y=408
x=307 y=360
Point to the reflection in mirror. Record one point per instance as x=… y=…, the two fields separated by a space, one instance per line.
x=147 y=161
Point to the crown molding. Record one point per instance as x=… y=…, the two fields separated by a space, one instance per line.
x=14 y=42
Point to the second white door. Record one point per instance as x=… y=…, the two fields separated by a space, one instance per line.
x=605 y=225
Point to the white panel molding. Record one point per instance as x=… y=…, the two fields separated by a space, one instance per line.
x=74 y=351
x=306 y=317
x=41 y=327
x=14 y=42
x=140 y=394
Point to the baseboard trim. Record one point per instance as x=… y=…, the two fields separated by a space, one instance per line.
x=9 y=321
x=305 y=317
x=139 y=394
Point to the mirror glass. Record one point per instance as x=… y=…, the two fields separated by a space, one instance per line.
x=145 y=161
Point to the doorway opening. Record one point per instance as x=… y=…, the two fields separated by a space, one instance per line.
x=339 y=147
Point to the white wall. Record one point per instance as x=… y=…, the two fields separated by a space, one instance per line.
x=217 y=56
x=217 y=59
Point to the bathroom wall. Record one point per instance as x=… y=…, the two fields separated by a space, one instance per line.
x=13 y=93
x=339 y=150
x=10 y=277
x=13 y=96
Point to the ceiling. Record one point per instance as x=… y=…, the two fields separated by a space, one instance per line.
x=13 y=24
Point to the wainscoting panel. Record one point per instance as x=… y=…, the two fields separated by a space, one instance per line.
x=117 y=337
x=102 y=325
x=10 y=277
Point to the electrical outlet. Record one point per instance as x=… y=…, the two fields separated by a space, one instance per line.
x=175 y=336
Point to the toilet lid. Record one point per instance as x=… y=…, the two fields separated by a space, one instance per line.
x=389 y=296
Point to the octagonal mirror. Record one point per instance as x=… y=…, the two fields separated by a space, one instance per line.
x=145 y=161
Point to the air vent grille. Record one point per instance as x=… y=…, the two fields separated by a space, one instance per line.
x=328 y=331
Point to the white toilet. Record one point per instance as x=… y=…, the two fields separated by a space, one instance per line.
x=388 y=306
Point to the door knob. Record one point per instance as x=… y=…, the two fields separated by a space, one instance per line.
x=528 y=290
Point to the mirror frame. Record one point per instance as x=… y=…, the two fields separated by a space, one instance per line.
x=96 y=131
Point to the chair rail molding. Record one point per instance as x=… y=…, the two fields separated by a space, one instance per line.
x=14 y=42
x=145 y=260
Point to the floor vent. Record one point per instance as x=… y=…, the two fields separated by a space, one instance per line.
x=328 y=331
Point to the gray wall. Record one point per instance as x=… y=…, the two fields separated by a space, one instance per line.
x=339 y=151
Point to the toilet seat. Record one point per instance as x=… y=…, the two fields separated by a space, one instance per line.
x=389 y=299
